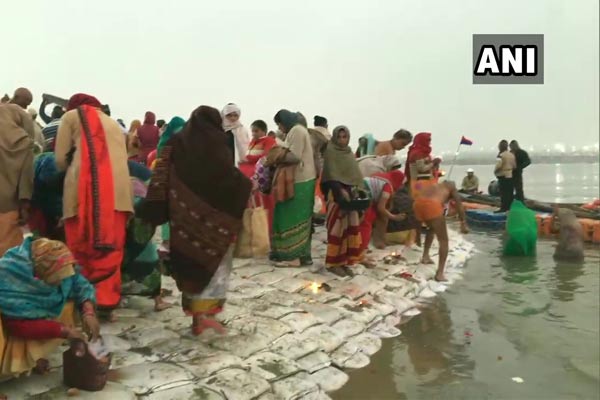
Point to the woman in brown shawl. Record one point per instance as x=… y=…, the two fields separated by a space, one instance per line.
x=341 y=176
x=196 y=188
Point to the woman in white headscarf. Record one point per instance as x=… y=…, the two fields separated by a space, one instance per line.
x=238 y=137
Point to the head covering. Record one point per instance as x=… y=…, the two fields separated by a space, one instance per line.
x=230 y=109
x=340 y=165
x=135 y=124
x=174 y=126
x=420 y=148
x=286 y=118
x=52 y=261
x=82 y=99
x=149 y=118
x=369 y=149
x=320 y=121
x=395 y=178
x=470 y=170
x=302 y=119
x=204 y=163
x=148 y=136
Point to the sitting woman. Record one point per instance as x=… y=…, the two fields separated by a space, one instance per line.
x=341 y=177
x=381 y=187
x=40 y=288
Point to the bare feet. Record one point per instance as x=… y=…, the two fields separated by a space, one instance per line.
x=42 y=367
x=160 y=304
x=348 y=271
x=288 y=264
x=440 y=277
x=427 y=260
x=339 y=271
x=369 y=263
x=202 y=324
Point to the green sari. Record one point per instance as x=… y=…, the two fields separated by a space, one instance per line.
x=292 y=225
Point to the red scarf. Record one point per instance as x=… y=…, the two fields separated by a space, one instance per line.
x=96 y=187
x=421 y=148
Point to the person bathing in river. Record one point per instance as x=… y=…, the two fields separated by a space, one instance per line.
x=429 y=209
x=570 y=238
x=341 y=176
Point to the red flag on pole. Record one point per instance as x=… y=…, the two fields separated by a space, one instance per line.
x=465 y=141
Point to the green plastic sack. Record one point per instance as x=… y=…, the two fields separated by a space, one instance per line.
x=521 y=230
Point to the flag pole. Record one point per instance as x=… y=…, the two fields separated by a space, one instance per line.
x=454 y=161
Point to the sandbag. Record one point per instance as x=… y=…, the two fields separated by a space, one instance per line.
x=521 y=231
x=253 y=240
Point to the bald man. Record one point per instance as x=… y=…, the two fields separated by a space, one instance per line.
x=22 y=98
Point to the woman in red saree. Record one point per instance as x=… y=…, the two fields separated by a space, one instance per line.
x=259 y=147
x=97 y=199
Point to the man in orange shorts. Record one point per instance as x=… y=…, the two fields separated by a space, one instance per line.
x=429 y=209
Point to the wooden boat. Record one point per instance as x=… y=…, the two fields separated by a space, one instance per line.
x=479 y=210
x=537 y=206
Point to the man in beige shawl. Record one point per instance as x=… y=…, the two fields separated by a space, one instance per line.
x=16 y=173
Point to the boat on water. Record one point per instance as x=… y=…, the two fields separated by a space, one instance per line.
x=480 y=213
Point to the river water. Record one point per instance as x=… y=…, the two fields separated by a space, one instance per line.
x=513 y=328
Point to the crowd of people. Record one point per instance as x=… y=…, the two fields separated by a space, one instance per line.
x=98 y=192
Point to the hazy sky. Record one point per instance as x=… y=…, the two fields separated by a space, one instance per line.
x=375 y=66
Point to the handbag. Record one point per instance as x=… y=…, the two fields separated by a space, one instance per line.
x=253 y=240
x=263 y=176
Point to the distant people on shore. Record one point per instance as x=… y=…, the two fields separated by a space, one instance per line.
x=504 y=172
x=470 y=183
x=523 y=161
x=399 y=141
